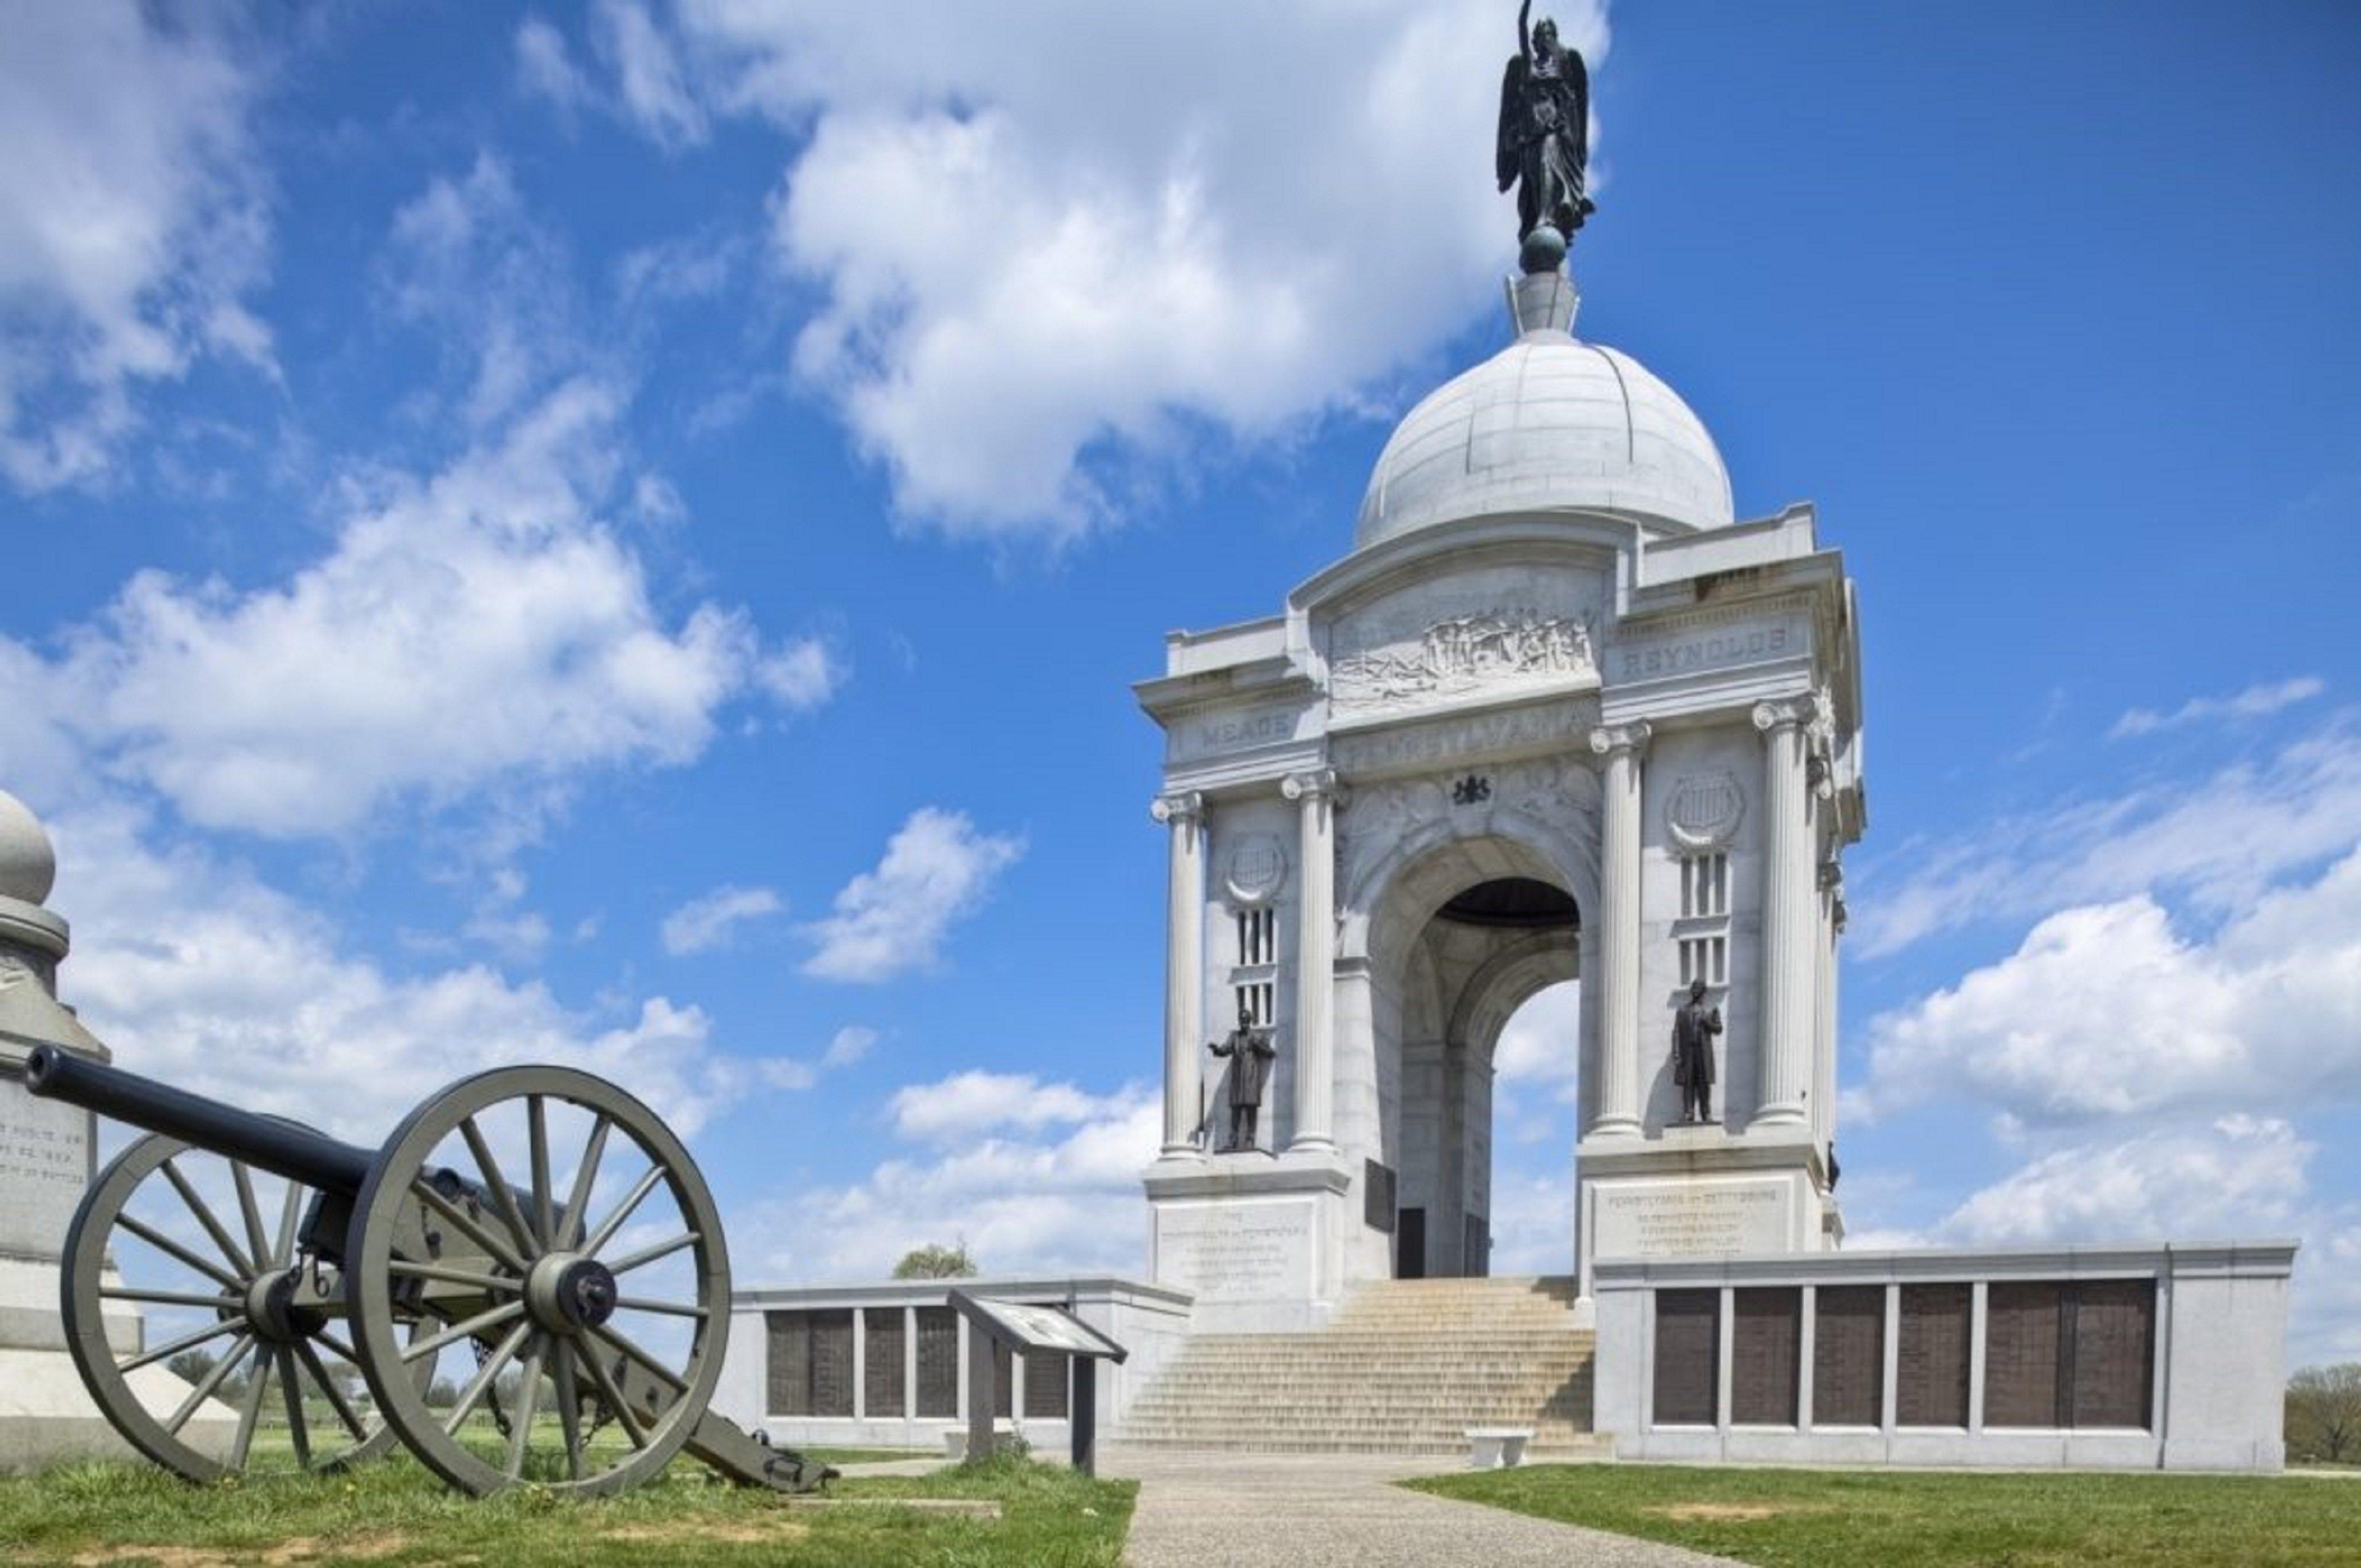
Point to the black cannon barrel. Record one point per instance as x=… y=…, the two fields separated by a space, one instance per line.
x=266 y=1143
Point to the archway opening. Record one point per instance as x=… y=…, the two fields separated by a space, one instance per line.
x=1486 y=951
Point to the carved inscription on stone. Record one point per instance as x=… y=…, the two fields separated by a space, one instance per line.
x=44 y=1165
x=1236 y=1252
x=1721 y=648
x=1690 y=1219
x=1446 y=740
x=1203 y=735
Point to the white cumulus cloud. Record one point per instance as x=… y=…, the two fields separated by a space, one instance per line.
x=198 y=973
x=2222 y=840
x=477 y=629
x=1056 y=238
x=1028 y=1193
x=134 y=221
x=708 y=922
x=2108 y=1010
x=937 y=868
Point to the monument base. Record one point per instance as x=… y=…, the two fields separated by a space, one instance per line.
x=1696 y=1192
x=47 y=1416
x=1259 y=1241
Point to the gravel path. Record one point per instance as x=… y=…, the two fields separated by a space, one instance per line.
x=1241 y=1510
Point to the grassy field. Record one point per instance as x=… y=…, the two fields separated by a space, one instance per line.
x=393 y=1514
x=1803 y=1518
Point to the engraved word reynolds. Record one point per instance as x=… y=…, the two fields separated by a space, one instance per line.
x=1737 y=645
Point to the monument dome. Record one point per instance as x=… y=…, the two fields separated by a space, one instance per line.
x=1548 y=422
x=29 y=866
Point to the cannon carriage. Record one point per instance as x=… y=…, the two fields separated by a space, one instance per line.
x=527 y=1282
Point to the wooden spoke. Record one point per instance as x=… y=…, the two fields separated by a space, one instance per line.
x=615 y=1400
x=474 y=1325
x=536 y=1116
x=186 y=1342
x=336 y=1400
x=164 y=1244
x=339 y=1346
x=569 y=1407
x=503 y=1199
x=290 y=1210
x=473 y=1394
x=466 y=1225
x=649 y=1254
x=291 y=1387
x=207 y=1384
x=586 y=1173
x=169 y=1298
x=671 y=1308
x=252 y=1212
x=520 y=1419
x=632 y=1201
x=617 y=1339
x=197 y=1206
x=505 y=1282
x=249 y=1412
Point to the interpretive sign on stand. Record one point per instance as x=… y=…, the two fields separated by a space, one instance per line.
x=1021 y=1327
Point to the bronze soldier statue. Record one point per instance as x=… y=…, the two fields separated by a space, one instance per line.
x=1544 y=145
x=1251 y=1053
x=1693 y=1028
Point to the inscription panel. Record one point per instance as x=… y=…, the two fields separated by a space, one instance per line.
x=1236 y=1252
x=1197 y=736
x=1690 y=1219
x=1708 y=648
x=1516 y=732
x=44 y=1166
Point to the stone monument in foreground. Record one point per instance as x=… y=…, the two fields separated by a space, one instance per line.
x=47 y=1154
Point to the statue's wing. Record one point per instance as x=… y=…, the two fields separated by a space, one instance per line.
x=1578 y=75
x=1504 y=145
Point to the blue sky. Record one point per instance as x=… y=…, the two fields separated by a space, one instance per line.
x=622 y=534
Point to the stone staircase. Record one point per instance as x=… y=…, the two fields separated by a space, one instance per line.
x=1405 y=1366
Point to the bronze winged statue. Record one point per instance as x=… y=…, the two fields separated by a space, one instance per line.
x=1543 y=147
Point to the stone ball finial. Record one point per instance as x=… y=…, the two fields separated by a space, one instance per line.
x=28 y=865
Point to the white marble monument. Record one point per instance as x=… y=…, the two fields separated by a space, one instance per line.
x=47 y=1154
x=1559 y=714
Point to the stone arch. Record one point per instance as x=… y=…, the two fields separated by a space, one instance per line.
x=1439 y=987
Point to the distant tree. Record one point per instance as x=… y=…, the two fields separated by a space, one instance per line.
x=931 y=1262
x=191 y=1365
x=2324 y=1413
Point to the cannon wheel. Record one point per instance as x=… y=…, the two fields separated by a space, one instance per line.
x=228 y=1273
x=553 y=1248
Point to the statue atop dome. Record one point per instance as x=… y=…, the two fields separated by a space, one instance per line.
x=1544 y=147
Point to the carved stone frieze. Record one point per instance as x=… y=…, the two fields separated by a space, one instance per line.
x=1463 y=653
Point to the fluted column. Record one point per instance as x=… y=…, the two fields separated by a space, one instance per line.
x=1788 y=891
x=1315 y=962
x=1618 y=930
x=1184 y=969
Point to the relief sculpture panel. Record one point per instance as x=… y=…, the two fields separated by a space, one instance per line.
x=1499 y=630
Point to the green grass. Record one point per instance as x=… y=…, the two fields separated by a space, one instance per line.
x=1808 y=1518
x=394 y=1514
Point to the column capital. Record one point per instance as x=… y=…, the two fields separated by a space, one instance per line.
x=1178 y=808
x=1788 y=713
x=1608 y=739
x=1314 y=783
